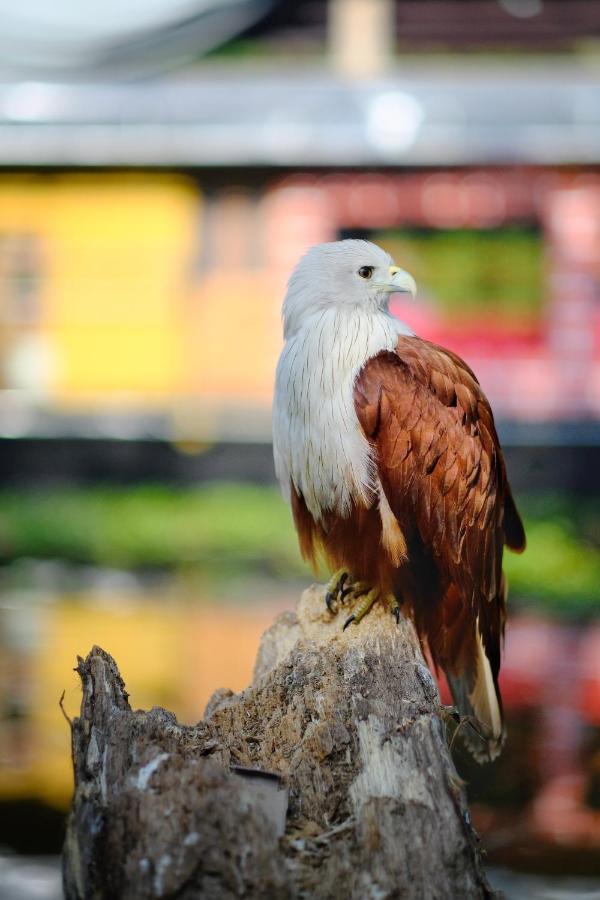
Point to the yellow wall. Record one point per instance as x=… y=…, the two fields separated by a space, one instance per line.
x=117 y=258
x=149 y=294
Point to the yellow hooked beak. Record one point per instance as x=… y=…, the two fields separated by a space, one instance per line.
x=401 y=282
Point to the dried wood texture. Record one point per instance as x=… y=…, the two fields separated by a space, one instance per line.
x=349 y=719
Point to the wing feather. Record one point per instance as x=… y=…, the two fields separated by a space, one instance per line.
x=441 y=467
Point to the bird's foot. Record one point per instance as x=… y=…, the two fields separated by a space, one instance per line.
x=395 y=608
x=368 y=599
x=341 y=587
x=335 y=587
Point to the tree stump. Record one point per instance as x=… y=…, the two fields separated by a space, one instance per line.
x=351 y=792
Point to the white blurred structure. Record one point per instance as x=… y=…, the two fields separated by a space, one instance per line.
x=361 y=36
x=70 y=37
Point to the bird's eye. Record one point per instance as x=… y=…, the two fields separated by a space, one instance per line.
x=365 y=271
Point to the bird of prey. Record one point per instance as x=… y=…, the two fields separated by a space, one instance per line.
x=386 y=449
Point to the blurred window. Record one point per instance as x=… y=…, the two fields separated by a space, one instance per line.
x=499 y=270
x=20 y=278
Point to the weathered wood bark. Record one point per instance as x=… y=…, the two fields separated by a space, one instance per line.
x=350 y=722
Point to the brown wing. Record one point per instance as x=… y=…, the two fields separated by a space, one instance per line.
x=441 y=467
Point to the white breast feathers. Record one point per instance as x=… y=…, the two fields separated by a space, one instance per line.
x=318 y=442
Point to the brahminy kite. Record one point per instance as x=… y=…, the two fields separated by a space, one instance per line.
x=386 y=448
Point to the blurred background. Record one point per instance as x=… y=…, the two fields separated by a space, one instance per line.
x=162 y=166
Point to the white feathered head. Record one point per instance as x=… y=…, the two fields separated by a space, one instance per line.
x=343 y=274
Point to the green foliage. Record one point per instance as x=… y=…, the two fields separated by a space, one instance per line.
x=463 y=271
x=561 y=566
x=212 y=526
x=226 y=530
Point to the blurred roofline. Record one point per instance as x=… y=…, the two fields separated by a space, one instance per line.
x=543 y=112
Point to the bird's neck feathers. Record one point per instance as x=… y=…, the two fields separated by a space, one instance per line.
x=339 y=340
x=304 y=309
x=319 y=445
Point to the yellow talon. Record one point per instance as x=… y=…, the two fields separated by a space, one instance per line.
x=363 y=607
x=335 y=587
x=395 y=608
x=354 y=591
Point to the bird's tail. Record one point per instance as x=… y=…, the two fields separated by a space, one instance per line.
x=477 y=699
